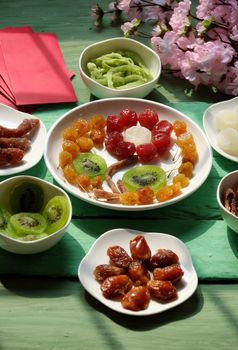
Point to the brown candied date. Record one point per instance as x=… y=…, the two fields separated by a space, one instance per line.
x=139 y=248
x=171 y=273
x=162 y=258
x=136 y=299
x=103 y=271
x=119 y=256
x=138 y=273
x=162 y=290
x=114 y=286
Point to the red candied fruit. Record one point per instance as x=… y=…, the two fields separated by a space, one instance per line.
x=148 y=118
x=162 y=142
x=124 y=150
x=112 y=140
x=162 y=126
x=146 y=152
x=113 y=123
x=128 y=118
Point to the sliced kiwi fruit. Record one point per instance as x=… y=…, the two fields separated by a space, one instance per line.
x=28 y=223
x=90 y=164
x=27 y=197
x=30 y=237
x=4 y=220
x=144 y=176
x=56 y=213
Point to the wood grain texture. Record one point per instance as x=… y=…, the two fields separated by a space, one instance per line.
x=55 y=314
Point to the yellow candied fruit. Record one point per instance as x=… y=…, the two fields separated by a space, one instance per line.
x=70 y=174
x=164 y=194
x=180 y=127
x=97 y=122
x=129 y=198
x=70 y=134
x=97 y=136
x=181 y=179
x=185 y=139
x=65 y=158
x=186 y=168
x=85 y=144
x=83 y=182
x=71 y=147
x=145 y=195
x=97 y=182
x=190 y=156
x=176 y=189
x=82 y=127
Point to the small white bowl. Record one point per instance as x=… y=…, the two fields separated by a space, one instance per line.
x=149 y=57
x=31 y=247
x=228 y=181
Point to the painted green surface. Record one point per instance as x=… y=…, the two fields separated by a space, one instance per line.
x=52 y=313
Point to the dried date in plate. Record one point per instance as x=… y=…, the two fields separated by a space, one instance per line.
x=11 y=118
x=98 y=255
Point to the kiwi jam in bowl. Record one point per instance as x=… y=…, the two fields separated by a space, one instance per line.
x=119 y=67
x=34 y=214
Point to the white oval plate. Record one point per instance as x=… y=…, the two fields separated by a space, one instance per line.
x=98 y=255
x=209 y=124
x=11 y=118
x=114 y=106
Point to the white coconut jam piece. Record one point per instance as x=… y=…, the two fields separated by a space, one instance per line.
x=227 y=140
x=227 y=119
x=138 y=135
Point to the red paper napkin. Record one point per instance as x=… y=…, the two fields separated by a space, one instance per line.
x=33 y=69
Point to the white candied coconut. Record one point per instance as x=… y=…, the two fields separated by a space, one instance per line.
x=138 y=135
x=227 y=140
x=227 y=119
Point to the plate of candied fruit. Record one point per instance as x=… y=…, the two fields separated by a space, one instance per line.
x=22 y=139
x=128 y=154
x=138 y=273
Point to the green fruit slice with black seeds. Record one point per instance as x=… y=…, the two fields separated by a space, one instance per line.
x=56 y=213
x=144 y=176
x=90 y=164
x=27 y=197
x=4 y=220
x=28 y=223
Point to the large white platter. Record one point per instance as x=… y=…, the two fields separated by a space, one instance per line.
x=98 y=255
x=114 y=106
x=11 y=118
x=209 y=124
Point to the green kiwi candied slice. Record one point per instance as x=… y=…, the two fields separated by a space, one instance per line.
x=144 y=176
x=56 y=213
x=28 y=223
x=4 y=220
x=90 y=164
x=27 y=197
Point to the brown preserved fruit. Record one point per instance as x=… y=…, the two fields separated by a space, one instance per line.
x=162 y=290
x=139 y=248
x=114 y=286
x=138 y=273
x=171 y=273
x=119 y=256
x=162 y=258
x=136 y=299
x=103 y=271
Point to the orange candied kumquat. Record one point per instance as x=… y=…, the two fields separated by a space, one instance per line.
x=70 y=174
x=145 y=195
x=182 y=179
x=97 y=182
x=83 y=182
x=71 y=147
x=85 y=143
x=65 y=158
x=180 y=127
x=97 y=136
x=82 y=127
x=70 y=134
x=97 y=122
x=186 y=168
x=129 y=198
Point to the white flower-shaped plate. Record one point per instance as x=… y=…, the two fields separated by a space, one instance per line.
x=109 y=106
x=209 y=124
x=98 y=255
x=11 y=118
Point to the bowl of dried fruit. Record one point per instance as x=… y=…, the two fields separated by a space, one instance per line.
x=119 y=67
x=227 y=198
x=34 y=214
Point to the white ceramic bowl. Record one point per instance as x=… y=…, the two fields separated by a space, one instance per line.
x=228 y=181
x=150 y=58
x=31 y=247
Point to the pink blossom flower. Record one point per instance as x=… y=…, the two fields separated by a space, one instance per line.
x=124 y=5
x=129 y=28
x=179 y=19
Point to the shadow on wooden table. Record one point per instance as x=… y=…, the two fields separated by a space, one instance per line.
x=187 y=309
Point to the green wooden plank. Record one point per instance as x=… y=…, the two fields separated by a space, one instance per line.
x=54 y=314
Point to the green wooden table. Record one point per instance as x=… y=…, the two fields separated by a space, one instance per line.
x=43 y=306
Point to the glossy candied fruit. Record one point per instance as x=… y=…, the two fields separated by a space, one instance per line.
x=82 y=127
x=162 y=258
x=65 y=158
x=186 y=168
x=85 y=143
x=124 y=150
x=136 y=299
x=162 y=126
x=180 y=127
x=83 y=182
x=139 y=248
x=71 y=147
x=182 y=179
x=147 y=152
x=172 y=273
x=145 y=195
x=97 y=136
x=70 y=134
x=103 y=271
x=162 y=290
x=115 y=286
x=129 y=198
x=148 y=118
x=162 y=142
x=97 y=182
x=138 y=273
x=97 y=122
x=113 y=123
x=70 y=174
x=128 y=118
x=118 y=256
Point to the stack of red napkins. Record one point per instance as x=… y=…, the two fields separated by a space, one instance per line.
x=32 y=69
